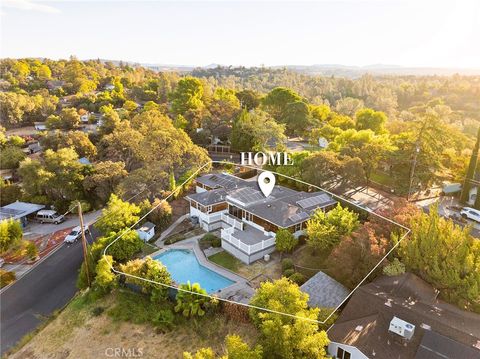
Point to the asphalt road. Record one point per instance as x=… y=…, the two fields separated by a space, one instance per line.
x=47 y=287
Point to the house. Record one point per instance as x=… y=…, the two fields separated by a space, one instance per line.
x=84 y=118
x=109 y=87
x=19 y=211
x=146 y=231
x=55 y=84
x=401 y=317
x=84 y=161
x=247 y=219
x=40 y=126
x=324 y=291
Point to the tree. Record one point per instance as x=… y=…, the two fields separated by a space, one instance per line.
x=277 y=100
x=10 y=234
x=110 y=120
x=148 y=268
x=368 y=119
x=348 y=106
x=324 y=230
x=105 y=278
x=69 y=118
x=9 y=193
x=356 y=255
x=187 y=96
x=117 y=216
x=446 y=256
x=285 y=336
x=256 y=130
x=13 y=107
x=472 y=166
x=78 y=140
x=195 y=302
x=130 y=106
x=249 y=99
x=236 y=348
x=285 y=241
x=104 y=178
x=10 y=157
x=296 y=117
x=161 y=216
x=125 y=246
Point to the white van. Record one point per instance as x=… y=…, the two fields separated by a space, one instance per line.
x=49 y=216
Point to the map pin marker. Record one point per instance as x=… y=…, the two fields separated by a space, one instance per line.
x=266 y=181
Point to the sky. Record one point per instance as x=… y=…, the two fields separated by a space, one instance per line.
x=411 y=33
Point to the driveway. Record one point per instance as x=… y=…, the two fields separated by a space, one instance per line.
x=71 y=221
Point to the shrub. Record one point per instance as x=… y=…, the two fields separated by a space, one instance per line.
x=212 y=240
x=285 y=241
x=394 y=268
x=6 y=278
x=190 y=303
x=297 y=278
x=287 y=263
x=216 y=242
x=164 y=319
x=97 y=311
x=32 y=251
x=288 y=272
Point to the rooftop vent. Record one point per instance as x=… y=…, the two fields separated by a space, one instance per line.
x=359 y=328
x=401 y=328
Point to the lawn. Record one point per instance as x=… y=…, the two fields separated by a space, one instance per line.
x=226 y=260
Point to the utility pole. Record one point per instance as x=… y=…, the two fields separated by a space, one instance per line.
x=84 y=243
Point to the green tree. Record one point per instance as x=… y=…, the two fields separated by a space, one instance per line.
x=9 y=193
x=69 y=118
x=104 y=178
x=324 y=230
x=446 y=256
x=285 y=336
x=162 y=214
x=368 y=119
x=117 y=216
x=10 y=234
x=249 y=99
x=152 y=270
x=277 y=100
x=78 y=140
x=236 y=348
x=187 y=96
x=125 y=246
x=195 y=302
x=472 y=166
x=296 y=116
x=285 y=241
x=10 y=157
x=105 y=278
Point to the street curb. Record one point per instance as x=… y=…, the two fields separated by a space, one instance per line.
x=32 y=268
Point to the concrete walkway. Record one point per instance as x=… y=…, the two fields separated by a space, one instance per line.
x=170 y=229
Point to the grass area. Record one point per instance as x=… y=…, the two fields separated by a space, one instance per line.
x=226 y=260
x=308 y=262
x=148 y=249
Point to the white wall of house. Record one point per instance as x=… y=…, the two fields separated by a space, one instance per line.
x=472 y=196
x=354 y=352
x=245 y=258
x=146 y=235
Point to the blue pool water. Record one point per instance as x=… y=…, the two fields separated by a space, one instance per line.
x=184 y=266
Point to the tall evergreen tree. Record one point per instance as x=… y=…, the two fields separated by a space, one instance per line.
x=470 y=175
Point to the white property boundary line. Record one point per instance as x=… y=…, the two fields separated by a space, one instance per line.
x=408 y=230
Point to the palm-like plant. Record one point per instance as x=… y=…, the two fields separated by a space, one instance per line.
x=192 y=300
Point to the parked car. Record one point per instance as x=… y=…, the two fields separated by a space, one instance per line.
x=470 y=213
x=49 y=216
x=2 y=262
x=75 y=234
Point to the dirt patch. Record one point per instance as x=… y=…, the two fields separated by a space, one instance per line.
x=77 y=333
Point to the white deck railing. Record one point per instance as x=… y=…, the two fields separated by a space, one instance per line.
x=227 y=235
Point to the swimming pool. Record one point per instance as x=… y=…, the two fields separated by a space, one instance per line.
x=183 y=266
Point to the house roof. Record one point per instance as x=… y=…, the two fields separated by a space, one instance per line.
x=365 y=321
x=324 y=291
x=284 y=207
x=208 y=198
x=17 y=210
x=437 y=346
x=147 y=226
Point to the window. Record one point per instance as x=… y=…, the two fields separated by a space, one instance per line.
x=248 y=216
x=298 y=227
x=209 y=209
x=343 y=354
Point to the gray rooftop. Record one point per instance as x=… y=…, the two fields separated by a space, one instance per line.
x=284 y=207
x=324 y=291
x=437 y=346
x=146 y=227
x=17 y=210
x=208 y=198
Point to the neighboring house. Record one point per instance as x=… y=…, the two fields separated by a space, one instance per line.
x=84 y=161
x=324 y=291
x=19 y=211
x=40 y=126
x=7 y=175
x=146 y=231
x=55 y=84
x=401 y=317
x=109 y=87
x=85 y=117
x=248 y=220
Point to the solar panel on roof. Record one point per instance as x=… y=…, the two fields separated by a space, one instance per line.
x=298 y=216
x=313 y=201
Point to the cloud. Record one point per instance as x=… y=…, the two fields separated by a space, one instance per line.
x=29 y=5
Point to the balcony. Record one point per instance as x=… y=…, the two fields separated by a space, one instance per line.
x=249 y=240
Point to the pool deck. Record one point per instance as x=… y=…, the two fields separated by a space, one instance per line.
x=240 y=291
